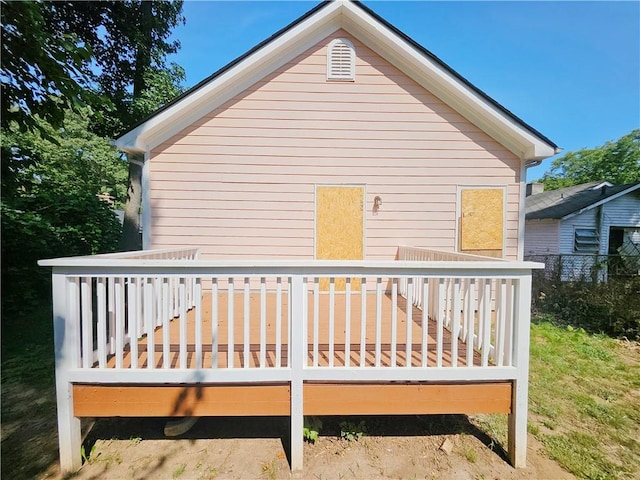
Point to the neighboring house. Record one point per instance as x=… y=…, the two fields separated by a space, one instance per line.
x=283 y=152
x=581 y=223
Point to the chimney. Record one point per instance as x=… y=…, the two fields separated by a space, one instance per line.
x=534 y=188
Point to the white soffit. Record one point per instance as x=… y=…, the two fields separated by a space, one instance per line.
x=341 y=14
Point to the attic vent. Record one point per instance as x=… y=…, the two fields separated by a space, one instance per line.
x=341 y=63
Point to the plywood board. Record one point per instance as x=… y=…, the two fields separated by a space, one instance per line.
x=339 y=226
x=482 y=220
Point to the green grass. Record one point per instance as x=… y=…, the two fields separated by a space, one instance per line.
x=583 y=400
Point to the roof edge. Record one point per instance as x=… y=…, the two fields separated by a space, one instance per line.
x=631 y=188
x=489 y=115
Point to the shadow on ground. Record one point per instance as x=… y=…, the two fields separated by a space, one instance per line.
x=278 y=428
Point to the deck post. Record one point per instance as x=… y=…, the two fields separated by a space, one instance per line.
x=517 y=431
x=66 y=343
x=298 y=347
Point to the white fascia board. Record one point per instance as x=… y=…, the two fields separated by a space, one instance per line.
x=233 y=82
x=448 y=88
x=603 y=201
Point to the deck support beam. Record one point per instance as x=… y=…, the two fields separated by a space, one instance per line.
x=517 y=423
x=298 y=316
x=66 y=342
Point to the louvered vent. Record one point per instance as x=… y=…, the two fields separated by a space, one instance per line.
x=341 y=63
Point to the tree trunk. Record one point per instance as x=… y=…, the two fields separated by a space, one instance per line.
x=131 y=238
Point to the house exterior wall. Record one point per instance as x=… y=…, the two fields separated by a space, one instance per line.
x=542 y=237
x=241 y=181
x=622 y=212
x=588 y=219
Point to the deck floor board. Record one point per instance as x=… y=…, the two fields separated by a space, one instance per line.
x=340 y=323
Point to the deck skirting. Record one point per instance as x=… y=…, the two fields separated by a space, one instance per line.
x=319 y=398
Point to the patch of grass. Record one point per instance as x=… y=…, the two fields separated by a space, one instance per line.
x=312 y=428
x=582 y=390
x=270 y=469
x=470 y=454
x=179 y=470
x=28 y=394
x=350 y=431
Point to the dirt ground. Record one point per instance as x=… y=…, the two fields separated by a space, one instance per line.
x=407 y=447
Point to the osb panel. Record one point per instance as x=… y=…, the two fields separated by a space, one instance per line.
x=482 y=220
x=339 y=227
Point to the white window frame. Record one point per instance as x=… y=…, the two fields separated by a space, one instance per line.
x=587 y=234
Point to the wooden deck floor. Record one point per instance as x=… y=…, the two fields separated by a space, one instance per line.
x=255 y=328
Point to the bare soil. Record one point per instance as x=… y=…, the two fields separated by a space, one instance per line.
x=246 y=448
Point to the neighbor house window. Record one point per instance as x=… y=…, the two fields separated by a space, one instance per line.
x=586 y=240
x=341 y=60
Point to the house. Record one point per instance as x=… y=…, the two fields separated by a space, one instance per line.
x=338 y=108
x=576 y=226
x=333 y=223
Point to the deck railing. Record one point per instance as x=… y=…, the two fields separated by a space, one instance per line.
x=103 y=303
x=168 y=317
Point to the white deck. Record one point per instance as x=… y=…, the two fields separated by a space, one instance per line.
x=467 y=319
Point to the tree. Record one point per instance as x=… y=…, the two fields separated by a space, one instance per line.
x=129 y=40
x=43 y=68
x=50 y=203
x=617 y=162
x=58 y=56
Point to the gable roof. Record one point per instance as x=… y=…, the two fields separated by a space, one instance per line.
x=568 y=202
x=369 y=28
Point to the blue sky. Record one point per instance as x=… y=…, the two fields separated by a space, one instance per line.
x=569 y=69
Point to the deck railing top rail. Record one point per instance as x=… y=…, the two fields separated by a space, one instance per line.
x=429 y=254
x=152 y=260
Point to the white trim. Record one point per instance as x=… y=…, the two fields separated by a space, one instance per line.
x=504 y=189
x=522 y=210
x=146 y=202
x=349 y=76
x=234 y=81
x=603 y=201
x=339 y=15
x=441 y=83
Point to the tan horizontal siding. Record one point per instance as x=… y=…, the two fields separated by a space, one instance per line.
x=240 y=182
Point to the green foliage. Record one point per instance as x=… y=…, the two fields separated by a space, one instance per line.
x=50 y=205
x=611 y=307
x=129 y=42
x=617 y=162
x=43 y=67
x=59 y=56
x=350 y=431
x=311 y=429
x=163 y=86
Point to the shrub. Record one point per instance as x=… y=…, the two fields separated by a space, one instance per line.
x=611 y=307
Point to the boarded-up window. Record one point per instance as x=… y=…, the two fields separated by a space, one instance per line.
x=482 y=221
x=339 y=227
x=341 y=63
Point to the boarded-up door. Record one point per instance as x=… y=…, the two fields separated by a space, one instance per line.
x=482 y=221
x=339 y=225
